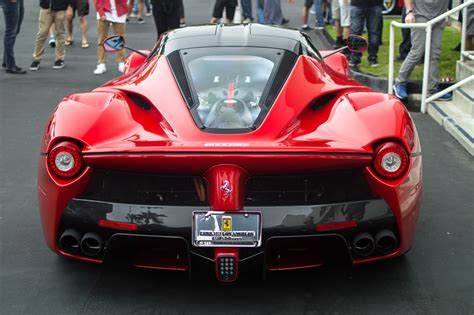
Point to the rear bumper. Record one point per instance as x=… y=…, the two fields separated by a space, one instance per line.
x=279 y=225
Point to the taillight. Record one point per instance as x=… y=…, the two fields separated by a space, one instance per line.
x=65 y=160
x=391 y=160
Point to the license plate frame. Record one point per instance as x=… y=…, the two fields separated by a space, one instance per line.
x=245 y=229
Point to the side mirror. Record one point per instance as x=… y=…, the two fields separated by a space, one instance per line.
x=356 y=43
x=114 y=43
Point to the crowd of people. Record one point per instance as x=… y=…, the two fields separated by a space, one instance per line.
x=56 y=22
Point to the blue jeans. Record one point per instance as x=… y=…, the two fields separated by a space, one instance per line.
x=372 y=17
x=260 y=12
x=318 y=8
x=246 y=9
x=13 y=12
x=147 y=6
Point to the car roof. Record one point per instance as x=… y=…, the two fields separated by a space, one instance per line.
x=239 y=35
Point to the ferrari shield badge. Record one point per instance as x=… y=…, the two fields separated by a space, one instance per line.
x=227 y=223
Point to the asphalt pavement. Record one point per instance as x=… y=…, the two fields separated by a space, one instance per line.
x=435 y=277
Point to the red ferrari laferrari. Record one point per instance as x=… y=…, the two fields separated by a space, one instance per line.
x=230 y=145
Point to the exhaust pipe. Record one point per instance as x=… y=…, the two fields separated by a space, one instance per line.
x=363 y=244
x=91 y=244
x=385 y=242
x=69 y=241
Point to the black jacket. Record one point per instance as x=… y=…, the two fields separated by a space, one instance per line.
x=366 y=3
x=55 y=5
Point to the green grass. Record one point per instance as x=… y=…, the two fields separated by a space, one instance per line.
x=447 y=67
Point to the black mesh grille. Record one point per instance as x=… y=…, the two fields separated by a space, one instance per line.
x=322 y=188
x=148 y=189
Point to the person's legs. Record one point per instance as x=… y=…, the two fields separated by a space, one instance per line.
x=374 y=18
x=217 y=11
x=345 y=13
x=160 y=18
x=273 y=14
x=418 y=37
x=83 y=12
x=405 y=45
x=247 y=9
x=319 y=13
x=11 y=13
x=119 y=29
x=141 y=7
x=307 y=6
x=102 y=31
x=44 y=23
x=59 y=21
x=230 y=12
x=357 y=27
x=261 y=11
x=173 y=18
x=433 y=73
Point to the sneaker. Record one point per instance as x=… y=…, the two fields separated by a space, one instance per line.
x=339 y=43
x=182 y=24
x=127 y=20
x=140 y=21
x=34 y=65
x=305 y=27
x=58 y=64
x=446 y=97
x=354 y=62
x=101 y=69
x=121 y=67
x=285 y=21
x=148 y=13
x=133 y=15
x=400 y=90
x=319 y=28
x=15 y=70
x=373 y=62
x=247 y=21
x=52 y=41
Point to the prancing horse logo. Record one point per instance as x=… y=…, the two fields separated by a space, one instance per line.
x=226 y=188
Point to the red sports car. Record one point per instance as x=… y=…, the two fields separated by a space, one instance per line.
x=230 y=145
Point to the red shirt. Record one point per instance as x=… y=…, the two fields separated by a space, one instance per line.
x=102 y=6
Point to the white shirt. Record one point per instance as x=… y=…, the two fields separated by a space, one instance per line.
x=112 y=15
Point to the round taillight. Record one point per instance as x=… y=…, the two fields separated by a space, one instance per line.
x=65 y=160
x=391 y=160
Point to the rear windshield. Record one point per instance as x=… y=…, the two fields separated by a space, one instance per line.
x=229 y=89
x=229 y=85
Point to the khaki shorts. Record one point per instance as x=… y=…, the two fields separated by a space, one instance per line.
x=341 y=11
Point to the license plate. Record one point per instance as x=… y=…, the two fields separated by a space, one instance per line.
x=221 y=229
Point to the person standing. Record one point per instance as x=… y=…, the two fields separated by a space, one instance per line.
x=273 y=13
x=51 y=11
x=421 y=11
x=367 y=12
x=342 y=21
x=247 y=10
x=82 y=9
x=110 y=12
x=167 y=14
x=13 y=10
x=141 y=7
x=219 y=6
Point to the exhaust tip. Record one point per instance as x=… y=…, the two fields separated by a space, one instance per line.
x=91 y=244
x=363 y=244
x=385 y=242
x=69 y=241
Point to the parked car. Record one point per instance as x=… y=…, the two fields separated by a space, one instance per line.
x=231 y=145
x=393 y=6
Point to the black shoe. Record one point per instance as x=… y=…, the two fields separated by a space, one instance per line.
x=34 y=65
x=4 y=65
x=140 y=21
x=16 y=70
x=58 y=64
x=373 y=62
x=354 y=62
x=285 y=21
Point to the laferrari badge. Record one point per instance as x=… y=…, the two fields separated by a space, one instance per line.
x=226 y=188
x=226 y=223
